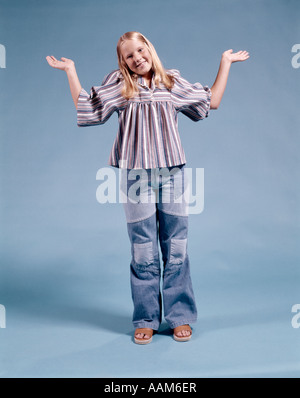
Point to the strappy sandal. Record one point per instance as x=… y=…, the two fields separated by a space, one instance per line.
x=180 y=329
x=147 y=331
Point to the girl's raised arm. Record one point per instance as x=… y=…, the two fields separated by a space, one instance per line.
x=218 y=88
x=68 y=66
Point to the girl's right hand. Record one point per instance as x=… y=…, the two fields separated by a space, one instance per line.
x=65 y=63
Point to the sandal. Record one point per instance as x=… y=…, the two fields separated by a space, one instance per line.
x=180 y=329
x=147 y=331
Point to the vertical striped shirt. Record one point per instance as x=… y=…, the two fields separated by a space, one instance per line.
x=148 y=134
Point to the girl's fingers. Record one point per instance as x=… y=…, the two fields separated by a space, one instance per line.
x=243 y=55
x=50 y=60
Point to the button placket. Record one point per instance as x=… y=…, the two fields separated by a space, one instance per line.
x=149 y=92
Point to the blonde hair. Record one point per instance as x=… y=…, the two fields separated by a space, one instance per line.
x=130 y=79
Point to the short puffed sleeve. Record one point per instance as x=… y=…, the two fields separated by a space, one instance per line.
x=97 y=107
x=193 y=100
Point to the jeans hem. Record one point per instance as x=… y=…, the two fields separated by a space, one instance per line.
x=174 y=325
x=149 y=325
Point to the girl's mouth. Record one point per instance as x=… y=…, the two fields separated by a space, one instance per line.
x=141 y=64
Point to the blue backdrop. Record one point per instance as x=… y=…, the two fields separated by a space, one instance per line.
x=65 y=257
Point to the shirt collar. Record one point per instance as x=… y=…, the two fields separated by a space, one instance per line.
x=141 y=82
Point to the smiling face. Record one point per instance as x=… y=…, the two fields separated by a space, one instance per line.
x=137 y=57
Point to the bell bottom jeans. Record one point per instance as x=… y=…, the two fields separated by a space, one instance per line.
x=156 y=211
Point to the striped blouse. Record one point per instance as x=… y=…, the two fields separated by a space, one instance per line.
x=148 y=134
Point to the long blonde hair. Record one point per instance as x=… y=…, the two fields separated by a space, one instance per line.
x=130 y=79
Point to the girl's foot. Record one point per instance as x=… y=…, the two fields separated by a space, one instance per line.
x=182 y=333
x=143 y=335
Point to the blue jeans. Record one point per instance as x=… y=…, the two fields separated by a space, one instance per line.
x=156 y=211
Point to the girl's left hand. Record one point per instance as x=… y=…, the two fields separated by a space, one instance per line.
x=239 y=56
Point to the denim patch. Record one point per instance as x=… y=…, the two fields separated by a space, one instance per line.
x=178 y=251
x=143 y=253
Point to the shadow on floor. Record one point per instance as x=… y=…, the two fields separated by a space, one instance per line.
x=100 y=318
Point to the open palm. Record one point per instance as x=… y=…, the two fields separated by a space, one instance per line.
x=236 y=57
x=64 y=64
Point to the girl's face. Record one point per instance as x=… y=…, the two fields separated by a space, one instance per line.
x=137 y=57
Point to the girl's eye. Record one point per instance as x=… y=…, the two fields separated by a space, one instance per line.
x=141 y=49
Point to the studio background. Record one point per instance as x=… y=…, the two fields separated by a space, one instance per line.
x=65 y=258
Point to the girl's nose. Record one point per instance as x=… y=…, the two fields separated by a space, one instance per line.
x=137 y=58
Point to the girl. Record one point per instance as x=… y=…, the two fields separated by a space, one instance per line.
x=147 y=148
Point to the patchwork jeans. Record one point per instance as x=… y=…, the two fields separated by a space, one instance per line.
x=156 y=211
